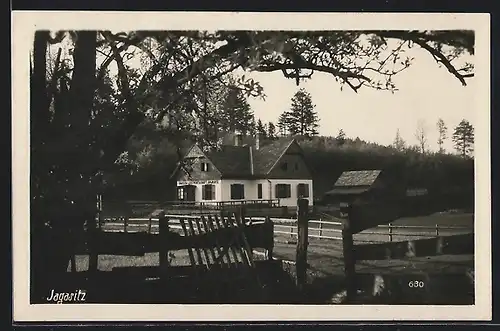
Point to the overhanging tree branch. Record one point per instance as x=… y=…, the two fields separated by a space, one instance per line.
x=458 y=39
x=442 y=59
x=344 y=75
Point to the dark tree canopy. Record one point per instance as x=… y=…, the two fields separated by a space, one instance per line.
x=301 y=119
x=341 y=137
x=463 y=138
x=261 y=129
x=271 y=130
x=236 y=114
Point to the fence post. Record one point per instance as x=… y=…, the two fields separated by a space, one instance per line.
x=320 y=228
x=99 y=211
x=302 y=241
x=125 y=224
x=163 y=242
x=291 y=232
x=150 y=224
x=349 y=258
x=269 y=250
x=390 y=232
x=437 y=230
x=92 y=241
x=439 y=245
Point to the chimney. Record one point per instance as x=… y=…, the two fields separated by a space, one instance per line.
x=257 y=141
x=238 y=138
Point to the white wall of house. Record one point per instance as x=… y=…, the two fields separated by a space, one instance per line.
x=292 y=200
x=223 y=189
x=251 y=190
x=268 y=189
x=199 y=188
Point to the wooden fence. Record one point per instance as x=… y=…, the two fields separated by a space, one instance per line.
x=384 y=241
x=141 y=208
x=332 y=230
x=353 y=225
x=318 y=229
x=219 y=248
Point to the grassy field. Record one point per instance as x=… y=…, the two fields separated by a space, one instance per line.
x=444 y=219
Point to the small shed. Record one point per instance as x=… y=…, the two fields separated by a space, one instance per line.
x=359 y=184
x=370 y=197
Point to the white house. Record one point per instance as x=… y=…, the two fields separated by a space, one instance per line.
x=242 y=173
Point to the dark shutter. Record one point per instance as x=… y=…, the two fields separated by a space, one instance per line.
x=283 y=191
x=237 y=191
x=303 y=190
x=208 y=192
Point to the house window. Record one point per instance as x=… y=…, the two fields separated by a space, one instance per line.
x=303 y=190
x=284 y=166
x=205 y=166
x=259 y=191
x=283 y=191
x=208 y=192
x=180 y=193
x=237 y=191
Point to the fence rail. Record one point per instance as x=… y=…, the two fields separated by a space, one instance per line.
x=202 y=204
x=318 y=229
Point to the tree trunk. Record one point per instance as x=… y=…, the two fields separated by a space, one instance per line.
x=39 y=104
x=57 y=184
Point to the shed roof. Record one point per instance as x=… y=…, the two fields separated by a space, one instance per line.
x=357 y=178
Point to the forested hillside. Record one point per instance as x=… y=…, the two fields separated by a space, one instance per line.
x=146 y=168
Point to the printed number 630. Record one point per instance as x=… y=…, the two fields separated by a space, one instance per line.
x=416 y=284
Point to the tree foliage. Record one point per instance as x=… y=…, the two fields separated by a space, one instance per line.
x=341 y=137
x=399 y=144
x=271 y=130
x=261 y=129
x=301 y=119
x=236 y=114
x=463 y=138
x=442 y=134
x=283 y=124
x=448 y=178
x=421 y=135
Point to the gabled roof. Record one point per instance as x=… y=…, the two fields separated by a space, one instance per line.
x=232 y=160
x=357 y=178
x=267 y=156
x=239 y=160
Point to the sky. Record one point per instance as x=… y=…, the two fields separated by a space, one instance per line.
x=426 y=93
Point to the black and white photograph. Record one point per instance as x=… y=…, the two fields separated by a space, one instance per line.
x=232 y=161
